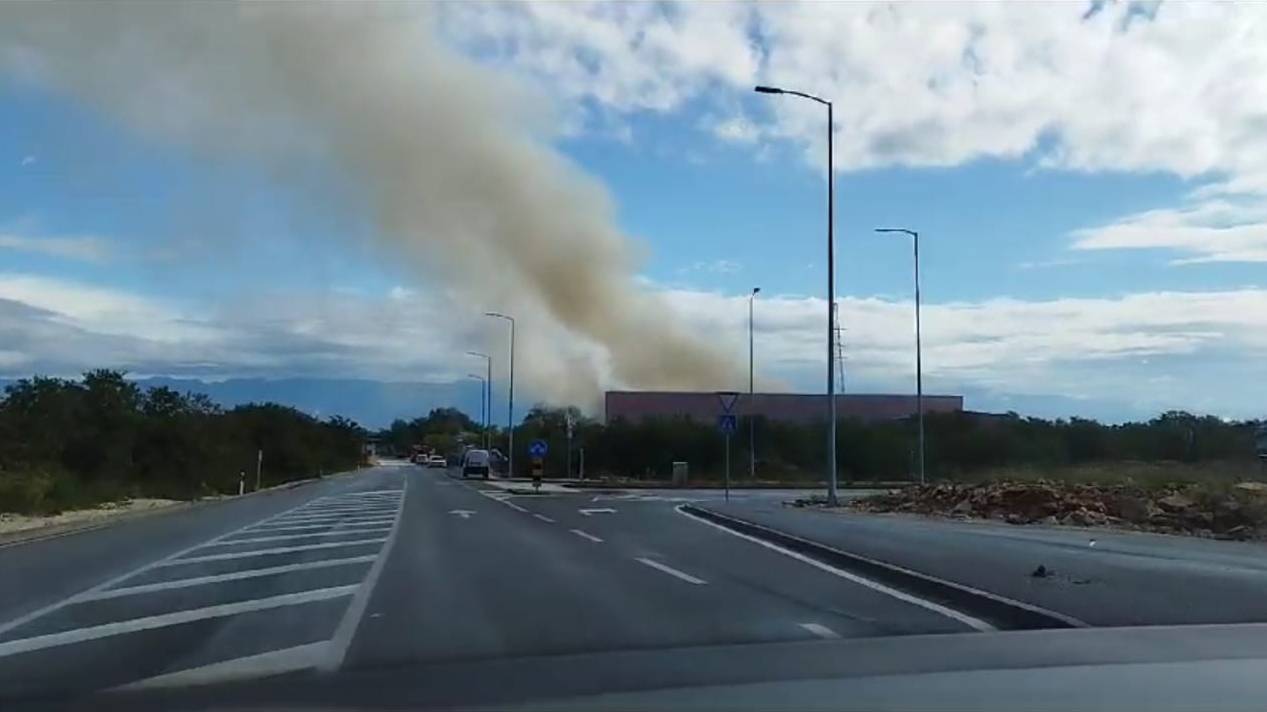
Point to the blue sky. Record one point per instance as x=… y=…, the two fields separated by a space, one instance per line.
x=1093 y=210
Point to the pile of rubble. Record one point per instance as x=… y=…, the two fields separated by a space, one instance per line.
x=1236 y=512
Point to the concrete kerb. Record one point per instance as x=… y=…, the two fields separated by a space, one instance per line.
x=1004 y=612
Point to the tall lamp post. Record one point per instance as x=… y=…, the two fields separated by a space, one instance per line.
x=483 y=401
x=831 y=292
x=488 y=389
x=510 y=400
x=752 y=421
x=919 y=365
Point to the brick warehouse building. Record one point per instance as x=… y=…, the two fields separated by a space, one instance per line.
x=705 y=406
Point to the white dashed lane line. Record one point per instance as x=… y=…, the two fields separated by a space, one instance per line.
x=544 y=518
x=820 y=630
x=586 y=535
x=670 y=571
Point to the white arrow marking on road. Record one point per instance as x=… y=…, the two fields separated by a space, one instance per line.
x=601 y=510
x=463 y=513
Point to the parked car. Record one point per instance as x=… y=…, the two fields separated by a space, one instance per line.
x=475 y=462
x=437 y=461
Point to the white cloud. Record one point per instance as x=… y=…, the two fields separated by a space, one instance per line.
x=1157 y=350
x=718 y=266
x=86 y=248
x=736 y=129
x=1091 y=349
x=27 y=161
x=1177 y=88
x=1213 y=230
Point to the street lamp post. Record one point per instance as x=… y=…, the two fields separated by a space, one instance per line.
x=488 y=389
x=752 y=421
x=919 y=365
x=831 y=291
x=483 y=401
x=510 y=400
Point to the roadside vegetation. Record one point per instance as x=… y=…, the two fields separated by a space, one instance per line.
x=67 y=444
x=1174 y=447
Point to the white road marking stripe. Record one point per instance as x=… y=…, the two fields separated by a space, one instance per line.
x=820 y=630
x=288 y=524
x=398 y=493
x=342 y=638
x=275 y=550
x=234 y=576
x=345 y=510
x=586 y=535
x=544 y=518
x=259 y=539
x=670 y=570
x=296 y=527
x=514 y=506
x=21 y=620
x=79 y=635
x=970 y=621
x=274 y=662
x=319 y=518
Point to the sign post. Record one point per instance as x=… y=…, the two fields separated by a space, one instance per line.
x=727 y=423
x=571 y=424
x=537 y=450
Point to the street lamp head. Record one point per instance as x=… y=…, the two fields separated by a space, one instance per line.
x=767 y=90
x=476 y=353
x=896 y=229
x=472 y=375
x=756 y=290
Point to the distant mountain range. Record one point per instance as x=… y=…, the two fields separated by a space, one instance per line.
x=373 y=404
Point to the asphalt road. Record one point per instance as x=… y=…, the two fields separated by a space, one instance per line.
x=1101 y=577
x=401 y=565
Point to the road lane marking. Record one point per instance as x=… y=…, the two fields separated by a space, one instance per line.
x=670 y=570
x=970 y=621
x=463 y=513
x=345 y=529
x=342 y=639
x=350 y=510
x=274 y=662
x=281 y=524
x=57 y=605
x=543 y=518
x=259 y=539
x=274 y=550
x=318 y=519
x=234 y=576
x=820 y=630
x=599 y=510
x=586 y=535
x=105 y=630
x=514 y=506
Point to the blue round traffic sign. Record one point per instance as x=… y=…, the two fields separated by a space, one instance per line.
x=538 y=448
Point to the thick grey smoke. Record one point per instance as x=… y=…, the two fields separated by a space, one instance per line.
x=451 y=162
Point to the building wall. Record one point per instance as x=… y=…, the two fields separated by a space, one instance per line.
x=788 y=407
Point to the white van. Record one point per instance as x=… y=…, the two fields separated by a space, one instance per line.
x=475 y=462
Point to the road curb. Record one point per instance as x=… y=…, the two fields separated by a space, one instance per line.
x=1004 y=612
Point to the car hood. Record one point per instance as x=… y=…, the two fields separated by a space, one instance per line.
x=1174 y=667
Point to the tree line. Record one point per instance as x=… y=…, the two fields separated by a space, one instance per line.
x=69 y=443
x=957 y=444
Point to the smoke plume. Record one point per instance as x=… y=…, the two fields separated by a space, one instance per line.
x=451 y=162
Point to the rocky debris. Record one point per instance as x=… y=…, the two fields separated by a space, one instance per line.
x=1040 y=572
x=1236 y=512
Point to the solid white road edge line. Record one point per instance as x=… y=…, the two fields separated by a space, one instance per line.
x=342 y=640
x=820 y=630
x=586 y=535
x=669 y=570
x=234 y=576
x=105 y=630
x=274 y=662
x=970 y=621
